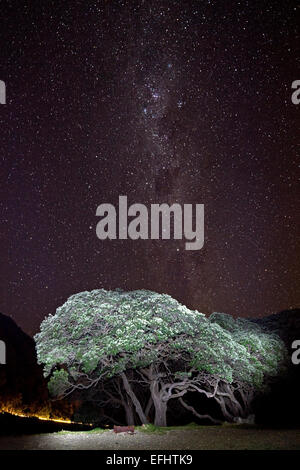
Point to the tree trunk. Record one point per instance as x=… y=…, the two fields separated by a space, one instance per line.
x=134 y=399
x=129 y=414
x=160 y=414
x=225 y=412
x=148 y=407
x=160 y=406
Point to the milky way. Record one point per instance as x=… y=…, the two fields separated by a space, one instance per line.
x=162 y=101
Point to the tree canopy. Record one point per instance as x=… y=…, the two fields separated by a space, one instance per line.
x=101 y=335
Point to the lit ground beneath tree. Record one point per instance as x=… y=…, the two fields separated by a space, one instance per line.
x=181 y=438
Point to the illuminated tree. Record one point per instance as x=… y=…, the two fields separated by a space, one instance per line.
x=150 y=350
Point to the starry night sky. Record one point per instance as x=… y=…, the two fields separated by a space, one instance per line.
x=162 y=101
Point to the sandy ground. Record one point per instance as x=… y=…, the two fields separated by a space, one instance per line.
x=202 y=439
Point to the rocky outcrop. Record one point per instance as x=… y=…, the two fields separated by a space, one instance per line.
x=22 y=386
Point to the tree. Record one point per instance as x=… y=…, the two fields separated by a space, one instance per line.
x=152 y=350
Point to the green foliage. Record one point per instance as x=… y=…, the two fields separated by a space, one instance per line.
x=151 y=428
x=58 y=383
x=265 y=352
x=102 y=333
